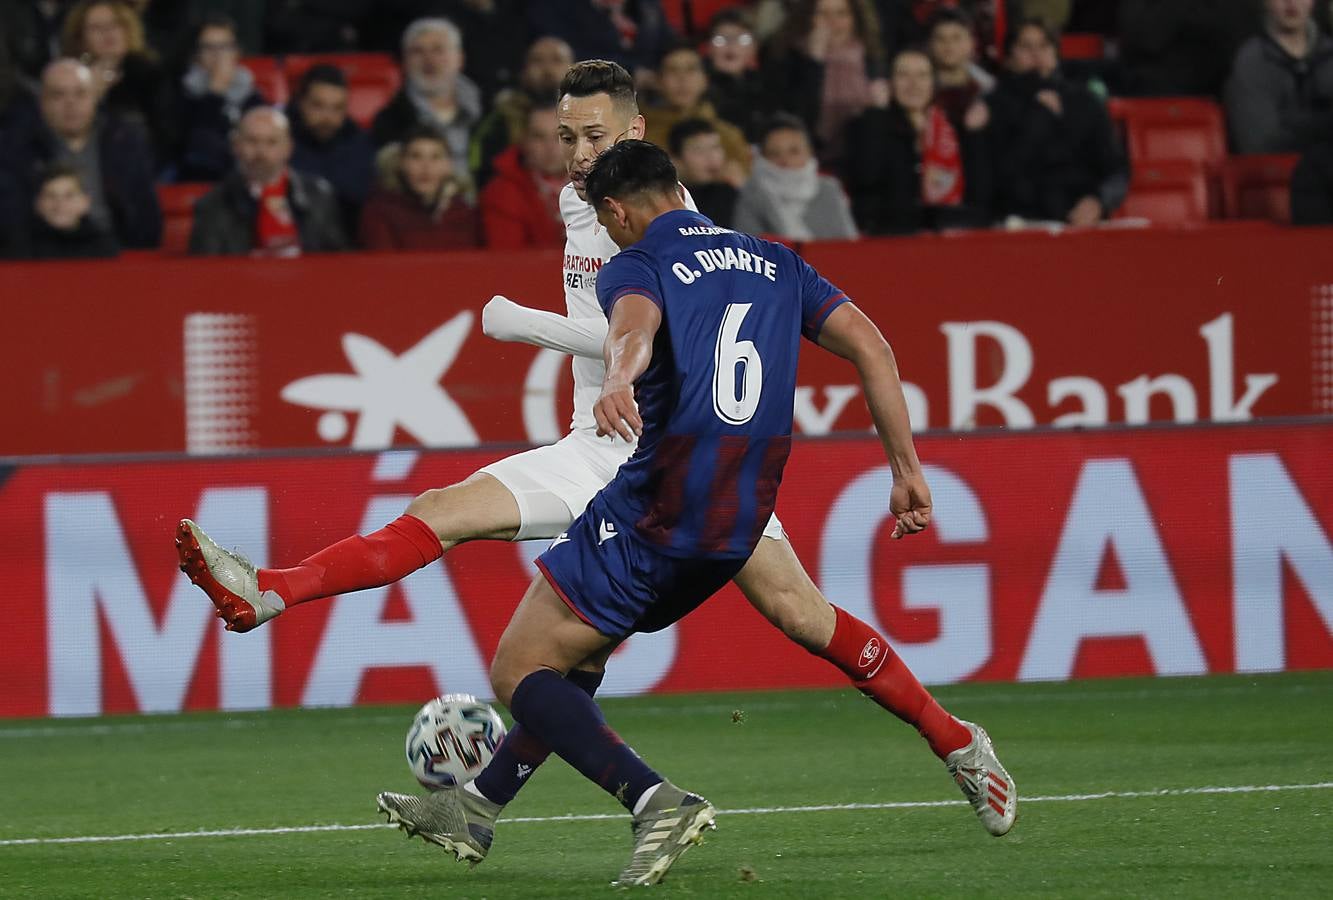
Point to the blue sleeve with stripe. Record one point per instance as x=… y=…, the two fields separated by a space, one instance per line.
x=628 y=272
x=819 y=298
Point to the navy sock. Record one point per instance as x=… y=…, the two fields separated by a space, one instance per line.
x=569 y=722
x=520 y=753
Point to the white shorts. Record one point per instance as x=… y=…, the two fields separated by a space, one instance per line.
x=553 y=484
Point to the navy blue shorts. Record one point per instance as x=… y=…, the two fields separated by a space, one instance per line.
x=620 y=585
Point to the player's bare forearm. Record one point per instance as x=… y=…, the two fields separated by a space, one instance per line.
x=628 y=351
x=851 y=335
x=888 y=408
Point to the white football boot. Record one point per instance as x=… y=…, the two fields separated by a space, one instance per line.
x=984 y=782
x=227 y=577
x=671 y=822
x=461 y=822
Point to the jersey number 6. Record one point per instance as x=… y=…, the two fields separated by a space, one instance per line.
x=731 y=407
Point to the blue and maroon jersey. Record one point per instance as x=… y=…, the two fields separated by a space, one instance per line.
x=716 y=400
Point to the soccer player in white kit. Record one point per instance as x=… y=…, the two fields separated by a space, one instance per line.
x=538 y=493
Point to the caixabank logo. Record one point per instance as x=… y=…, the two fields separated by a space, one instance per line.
x=990 y=372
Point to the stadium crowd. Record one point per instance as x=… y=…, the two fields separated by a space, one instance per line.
x=803 y=119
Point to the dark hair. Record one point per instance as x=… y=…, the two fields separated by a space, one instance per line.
x=1011 y=38
x=782 y=121
x=685 y=129
x=949 y=15
x=912 y=50
x=321 y=74
x=214 y=20
x=679 y=47
x=52 y=171
x=601 y=76
x=424 y=131
x=628 y=168
x=729 y=15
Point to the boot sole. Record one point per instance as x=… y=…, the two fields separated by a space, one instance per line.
x=238 y=615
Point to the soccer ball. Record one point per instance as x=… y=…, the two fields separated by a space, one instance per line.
x=451 y=740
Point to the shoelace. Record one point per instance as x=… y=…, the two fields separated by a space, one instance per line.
x=238 y=556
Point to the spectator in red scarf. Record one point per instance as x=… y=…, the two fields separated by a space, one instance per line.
x=908 y=167
x=422 y=201
x=959 y=80
x=825 y=66
x=520 y=207
x=264 y=207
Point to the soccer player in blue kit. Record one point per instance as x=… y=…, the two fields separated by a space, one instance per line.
x=701 y=355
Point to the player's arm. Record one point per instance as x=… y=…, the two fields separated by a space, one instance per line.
x=851 y=335
x=628 y=350
x=505 y=320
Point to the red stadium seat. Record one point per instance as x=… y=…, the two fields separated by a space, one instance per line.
x=1176 y=129
x=372 y=79
x=269 y=79
x=1171 y=129
x=177 y=202
x=1082 y=46
x=1168 y=193
x=1258 y=186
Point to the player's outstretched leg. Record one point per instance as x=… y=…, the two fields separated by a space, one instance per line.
x=984 y=782
x=778 y=587
x=461 y=822
x=246 y=597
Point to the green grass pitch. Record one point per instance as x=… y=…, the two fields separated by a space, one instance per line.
x=1154 y=745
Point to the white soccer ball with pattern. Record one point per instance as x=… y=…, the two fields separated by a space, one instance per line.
x=451 y=740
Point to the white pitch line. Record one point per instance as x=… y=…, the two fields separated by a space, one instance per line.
x=752 y=811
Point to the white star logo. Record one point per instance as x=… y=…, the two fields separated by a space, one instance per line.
x=389 y=392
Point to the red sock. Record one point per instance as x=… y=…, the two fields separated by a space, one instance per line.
x=381 y=557
x=868 y=660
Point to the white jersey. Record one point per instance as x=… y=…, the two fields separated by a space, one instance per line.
x=587 y=249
